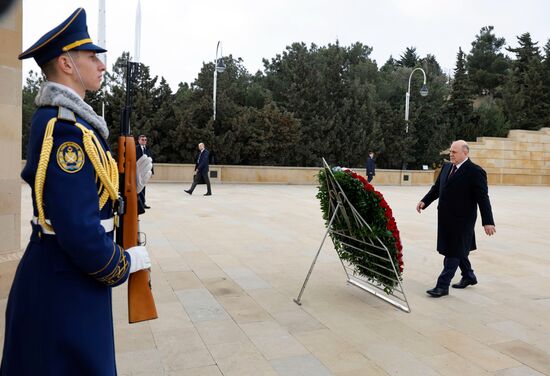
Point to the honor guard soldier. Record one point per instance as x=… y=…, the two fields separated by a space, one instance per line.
x=59 y=311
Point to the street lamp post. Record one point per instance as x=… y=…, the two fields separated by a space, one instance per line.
x=219 y=66
x=423 y=92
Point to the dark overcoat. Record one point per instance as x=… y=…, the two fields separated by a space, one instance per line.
x=371 y=166
x=59 y=311
x=459 y=197
x=202 y=165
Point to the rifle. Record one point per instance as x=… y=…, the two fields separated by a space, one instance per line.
x=141 y=305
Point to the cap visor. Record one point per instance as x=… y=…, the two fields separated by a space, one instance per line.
x=89 y=47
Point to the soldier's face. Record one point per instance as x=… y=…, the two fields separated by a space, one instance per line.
x=91 y=69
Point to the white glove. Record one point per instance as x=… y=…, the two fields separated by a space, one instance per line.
x=139 y=258
x=144 y=166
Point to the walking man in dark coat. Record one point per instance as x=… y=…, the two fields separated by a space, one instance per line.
x=371 y=167
x=201 y=171
x=461 y=187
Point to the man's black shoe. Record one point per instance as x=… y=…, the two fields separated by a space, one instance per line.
x=437 y=292
x=208 y=194
x=465 y=282
x=146 y=206
x=188 y=192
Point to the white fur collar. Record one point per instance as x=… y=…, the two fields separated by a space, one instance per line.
x=54 y=94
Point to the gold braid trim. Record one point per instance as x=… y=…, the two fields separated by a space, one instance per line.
x=108 y=262
x=40 y=177
x=104 y=165
x=118 y=273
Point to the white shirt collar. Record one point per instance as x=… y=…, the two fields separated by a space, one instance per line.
x=461 y=163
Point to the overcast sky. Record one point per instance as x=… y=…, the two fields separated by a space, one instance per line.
x=179 y=35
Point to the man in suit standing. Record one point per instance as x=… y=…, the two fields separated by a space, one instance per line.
x=371 y=166
x=461 y=187
x=143 y=149
x=201 y=171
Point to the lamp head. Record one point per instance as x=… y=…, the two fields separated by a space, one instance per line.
x=424 y=90
x=220 y=65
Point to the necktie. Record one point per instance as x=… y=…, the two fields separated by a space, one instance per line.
x=453 y=170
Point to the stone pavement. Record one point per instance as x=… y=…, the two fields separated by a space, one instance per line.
x=226 y=268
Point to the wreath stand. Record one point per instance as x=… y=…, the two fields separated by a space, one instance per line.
x=340 y=207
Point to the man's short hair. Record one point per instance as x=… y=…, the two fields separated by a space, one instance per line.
x=48 y=69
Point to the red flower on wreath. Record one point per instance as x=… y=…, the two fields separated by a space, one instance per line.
x=391 y=225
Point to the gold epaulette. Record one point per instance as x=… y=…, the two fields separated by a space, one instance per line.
x=104 y=164
x=40 y=178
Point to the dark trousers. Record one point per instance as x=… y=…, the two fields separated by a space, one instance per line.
x=450 y=264
x=197 y=178
x=142 y=195
x=369 y=178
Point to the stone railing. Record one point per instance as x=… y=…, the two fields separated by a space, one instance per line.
x=280 y=175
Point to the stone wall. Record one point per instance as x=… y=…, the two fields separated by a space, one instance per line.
x=523 y=158
x=165 y=172
x=10 y=125
x=10 y=146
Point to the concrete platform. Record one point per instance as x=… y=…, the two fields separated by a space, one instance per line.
x=227 y=267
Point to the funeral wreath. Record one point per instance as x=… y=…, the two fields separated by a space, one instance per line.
x=363 y=248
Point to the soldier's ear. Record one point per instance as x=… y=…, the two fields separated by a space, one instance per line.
x=64 y=64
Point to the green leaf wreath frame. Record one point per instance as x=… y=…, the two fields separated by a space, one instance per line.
x=374 y=209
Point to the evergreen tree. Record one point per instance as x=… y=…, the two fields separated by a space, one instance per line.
x=546 y=81
x=389 y=65
x=409 y=59
x=429 y=127
x=329 y=90
x=392 y=144
x=490 y=120
x=524 y=95
x=459 y=109
x=295 y=81
x=486 y=64
x=30 y=90
x=163 y=121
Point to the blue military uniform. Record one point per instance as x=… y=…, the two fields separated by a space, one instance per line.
x=59 y=311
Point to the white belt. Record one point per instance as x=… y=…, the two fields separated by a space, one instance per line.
x=108 y=225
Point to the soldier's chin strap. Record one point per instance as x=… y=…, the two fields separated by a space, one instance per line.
x=77 y=71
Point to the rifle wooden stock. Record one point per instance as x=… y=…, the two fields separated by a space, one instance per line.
x=141 y=305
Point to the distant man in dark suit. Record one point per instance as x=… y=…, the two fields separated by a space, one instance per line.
x=143 y=149
x=371 y=166
x=461 y=187
x=201 y=171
